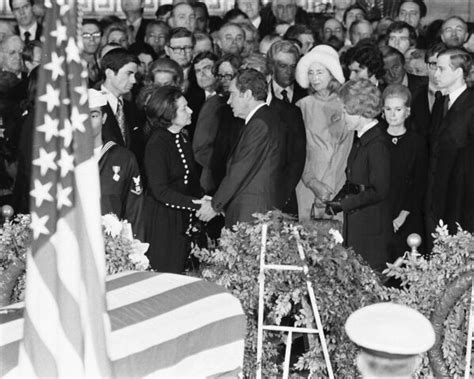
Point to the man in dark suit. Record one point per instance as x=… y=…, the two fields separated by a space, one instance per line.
x=27 y=27
x=281 y=60
x=122 y=125
x=253 y=176
x=133 y=10
x=450 y=177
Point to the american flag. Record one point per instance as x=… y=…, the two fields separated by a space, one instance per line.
x=65 y=319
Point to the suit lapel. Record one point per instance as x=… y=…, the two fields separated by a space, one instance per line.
x=455 y=108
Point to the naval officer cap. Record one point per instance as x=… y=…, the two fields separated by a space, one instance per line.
x=390 y=330
x=97 y=99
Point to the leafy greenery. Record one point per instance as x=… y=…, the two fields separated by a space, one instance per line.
x=424 y=281
x=15 y=237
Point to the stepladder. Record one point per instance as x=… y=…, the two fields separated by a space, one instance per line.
x=290 y=331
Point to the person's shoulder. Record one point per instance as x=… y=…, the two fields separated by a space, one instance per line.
x=122 y=154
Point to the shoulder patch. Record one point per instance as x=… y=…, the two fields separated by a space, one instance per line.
x=137 y=187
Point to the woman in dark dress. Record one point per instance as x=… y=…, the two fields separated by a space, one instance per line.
x=364 y=199
x=172 y=181
x=409 y=163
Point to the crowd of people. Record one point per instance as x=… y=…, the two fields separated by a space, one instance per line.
x=364 y=115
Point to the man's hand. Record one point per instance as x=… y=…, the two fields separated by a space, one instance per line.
x=333 y=207
x=206 y=212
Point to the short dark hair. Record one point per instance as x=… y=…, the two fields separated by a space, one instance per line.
x=421 y=4
x=253 y=80
x=159 y=23
x=203 y=6
x=163 y=9
x=233 y=13
x=398 y=26
x=117 y=58
x=205 y=55
x=355 y=6
x=459 y=58
x=294 y=31
x=435 y=49
x=91 y=21
x=181 y=33
x=234 y=60
x=368 y=55
x=160 y=106
x=389 y=51
x=140 y=47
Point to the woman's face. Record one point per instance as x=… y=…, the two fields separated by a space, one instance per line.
x=183 y=113
x=351 y=121
x=395 y=111
x=319 y=77
x=225 y=74
x=163 y=78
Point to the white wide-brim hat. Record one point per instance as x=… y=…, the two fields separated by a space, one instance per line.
x=323 y=54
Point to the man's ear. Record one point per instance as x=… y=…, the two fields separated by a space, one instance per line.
x=109 y=73
x=248 y=94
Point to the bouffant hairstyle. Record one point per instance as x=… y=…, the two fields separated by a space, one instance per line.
x=253 y=80
x=361 y=97
x=397 y=90
x=167 y=65
x=160 y=107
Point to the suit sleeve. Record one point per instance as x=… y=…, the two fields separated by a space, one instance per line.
x=378 y=165
x=133 y=199
x=157 y=171
x=247 y=154
x=296 y=152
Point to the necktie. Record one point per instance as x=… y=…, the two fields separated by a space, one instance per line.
x=284 y=96
x=121 y=120
x=445 y=105
x=27 y=37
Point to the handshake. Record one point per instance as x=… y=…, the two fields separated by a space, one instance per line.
x=206 y=212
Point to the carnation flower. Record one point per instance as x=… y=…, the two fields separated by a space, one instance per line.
x=336 y=235
x=112 y=225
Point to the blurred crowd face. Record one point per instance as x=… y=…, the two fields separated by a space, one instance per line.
x=131 y=5
x=250 y=43
x=156 y=38
x=202 y=46
x=284 y=68
x=394 y=70
x=284 y=10
x=91 y=38
x=6 y=30
x=307 y=40
x=231 y=39
x=11 y=54
x=395 y=111
x=361 y=31
x=183 y=16
x=145 y=62
x=118 y=36
x=23 y=12
x=410 y=13
x=343 y=4
x=201 y=20
x=432 y=65
x=204 y=76
x=400 y=40
x=358 y=72
x=319 y=77
x=163 y=78
x=249 y=7
x=332 y=27
x=454 y=33
x=181 y=50
x=225 y=74
x=353 y=15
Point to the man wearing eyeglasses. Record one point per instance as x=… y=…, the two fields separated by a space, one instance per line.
x=180 y=49
x=90 y=40
x=27 y=27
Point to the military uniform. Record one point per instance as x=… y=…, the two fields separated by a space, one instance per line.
x=121 y=186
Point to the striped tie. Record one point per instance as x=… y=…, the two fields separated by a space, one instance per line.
x=121 y=120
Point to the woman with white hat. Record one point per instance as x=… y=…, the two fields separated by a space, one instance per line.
x=328 y=140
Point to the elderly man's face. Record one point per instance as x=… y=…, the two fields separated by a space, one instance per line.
x=249 y=7
x=23 y=12
x=454 y=33
x=284 y=10
x=183 y=16
x=11 y=55
x=231 y=39
x=400 y=40
x=332 y=27
x=361 y=31
x=394 y=70
x=284 y=67
x=410 y=13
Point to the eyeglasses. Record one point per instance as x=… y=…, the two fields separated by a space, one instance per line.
x=95 y=35
x=181 y=49
x=225 y=76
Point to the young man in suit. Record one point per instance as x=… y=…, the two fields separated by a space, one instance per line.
x=133 y=10
x=450 y=191
x=253 y=176
x=27 y=27
x=121 y=191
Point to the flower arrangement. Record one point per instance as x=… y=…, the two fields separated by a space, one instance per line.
x=122 y=252
x=341 y=280
x=424 y=284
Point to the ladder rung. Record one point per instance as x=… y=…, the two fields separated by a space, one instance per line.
x=279 y=328
x=282 y=267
